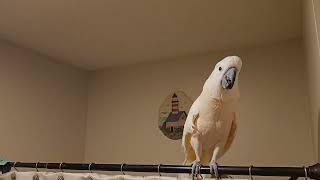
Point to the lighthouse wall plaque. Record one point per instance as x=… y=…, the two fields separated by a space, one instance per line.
x=173 y=113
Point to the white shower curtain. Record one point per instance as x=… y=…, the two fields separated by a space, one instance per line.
x=14 y=175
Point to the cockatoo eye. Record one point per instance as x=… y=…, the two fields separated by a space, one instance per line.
x=220 y=68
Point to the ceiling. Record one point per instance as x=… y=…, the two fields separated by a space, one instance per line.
x=102 y=33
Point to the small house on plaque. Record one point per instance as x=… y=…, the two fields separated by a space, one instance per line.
x=173 y=114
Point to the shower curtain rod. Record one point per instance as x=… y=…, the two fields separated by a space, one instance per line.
x=312 y=172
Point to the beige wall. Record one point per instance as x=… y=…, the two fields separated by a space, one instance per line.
x=273 y=129
x=311 y=24
x=42 y=107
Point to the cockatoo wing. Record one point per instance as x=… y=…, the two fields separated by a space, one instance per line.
x=190 y=127
x=231 y=135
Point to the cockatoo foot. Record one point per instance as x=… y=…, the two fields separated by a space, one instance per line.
x=195 y=169
x=214 y=170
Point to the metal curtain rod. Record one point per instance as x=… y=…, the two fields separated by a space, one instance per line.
x=312 y=172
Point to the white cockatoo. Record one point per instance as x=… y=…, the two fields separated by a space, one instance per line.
x=211 y=123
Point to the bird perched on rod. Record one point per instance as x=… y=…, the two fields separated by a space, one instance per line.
x=210 y=126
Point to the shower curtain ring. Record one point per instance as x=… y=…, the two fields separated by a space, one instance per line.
x=159 y=169
x=60 y=167
x=14 y=166
x=37 y=166
x=121 y=168
x=90 y=167
x=305 y=172
x=250 y=174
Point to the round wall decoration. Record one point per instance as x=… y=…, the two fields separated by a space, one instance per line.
x=173 y=114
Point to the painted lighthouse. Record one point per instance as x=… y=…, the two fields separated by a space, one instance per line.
x=176 y=118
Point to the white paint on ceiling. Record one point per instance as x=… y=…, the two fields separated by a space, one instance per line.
x=102 y=33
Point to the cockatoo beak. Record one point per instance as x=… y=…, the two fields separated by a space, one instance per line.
x=229 y=78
